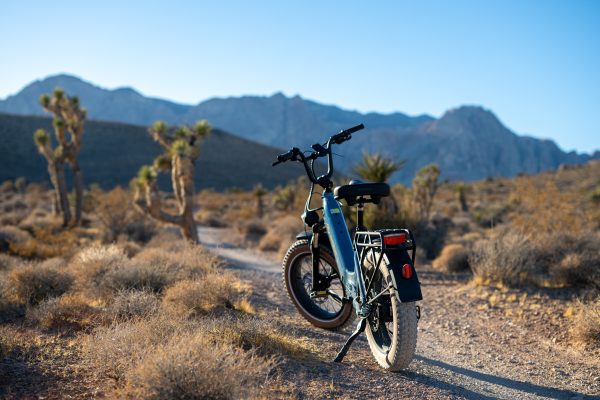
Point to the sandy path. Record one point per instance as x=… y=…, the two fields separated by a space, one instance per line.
x=462 y=352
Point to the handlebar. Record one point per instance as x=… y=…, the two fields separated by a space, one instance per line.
x=319 y=150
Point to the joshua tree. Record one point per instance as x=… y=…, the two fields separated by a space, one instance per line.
x=377 y=168
x=181 y=151
x=425 y=186
x=69 y=121
x=259 y=191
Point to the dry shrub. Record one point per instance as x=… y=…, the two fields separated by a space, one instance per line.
x=33 y=283
x=281 y=234
x=431 y=235
x=129 y=304
x=7 y=262
x=118 y=217
x=508 y=258
x=182 y=260
x=69 y=312
x=40 y=219
x=50 y=243
x=572 y=259
x=217 y=290
x=454 y=258
x=107 y=269
x=558 y=259
x=544 y=208
x=113 y=351
x=135 y=276
x=252 y=230
x=12 y=236
x=263 y=336
x=91 y=264
x=586 y=328
x=192 y=367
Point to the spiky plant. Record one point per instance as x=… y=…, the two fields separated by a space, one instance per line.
x=68 y=123
x=181 y=149
x=377 y=168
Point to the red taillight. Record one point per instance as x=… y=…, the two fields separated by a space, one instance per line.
x=407 y=271
x=395 y=239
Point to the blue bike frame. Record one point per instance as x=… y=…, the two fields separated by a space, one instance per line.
x=343 y=249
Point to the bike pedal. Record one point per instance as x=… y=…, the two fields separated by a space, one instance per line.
x=320 y=293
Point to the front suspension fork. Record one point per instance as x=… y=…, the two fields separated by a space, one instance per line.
x=319 y=286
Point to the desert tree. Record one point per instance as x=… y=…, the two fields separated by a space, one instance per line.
x=68 y=123
x=182 y=148
x=378 y=168
x=461 y=192
x=259 y=192
x=425 y=185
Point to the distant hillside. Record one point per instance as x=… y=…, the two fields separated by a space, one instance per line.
x=468 y=143
x=112 y=153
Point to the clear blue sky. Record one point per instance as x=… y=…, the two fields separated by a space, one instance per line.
x=536 y=64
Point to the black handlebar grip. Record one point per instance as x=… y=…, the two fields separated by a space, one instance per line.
x=354 y=129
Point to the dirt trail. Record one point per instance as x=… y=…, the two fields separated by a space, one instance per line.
x=463 y=351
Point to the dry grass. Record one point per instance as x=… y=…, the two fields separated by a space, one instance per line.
x=12 y=236
x=557 y=260
x=215 y=291
x=586 y=328
x=32 y=283
x=261 y=335
x=52 y=242
x=118 y=218
x=168 y=355
x=281 y=234
x=69 y=312
x=128 y=304
x=106 y=270
x=454 y=258
x=190 y=366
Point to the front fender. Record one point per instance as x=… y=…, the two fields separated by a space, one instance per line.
x=407 y=290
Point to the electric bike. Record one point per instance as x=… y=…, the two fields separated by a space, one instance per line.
x=332 y=276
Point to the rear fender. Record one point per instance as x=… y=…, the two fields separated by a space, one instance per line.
x=407 y=289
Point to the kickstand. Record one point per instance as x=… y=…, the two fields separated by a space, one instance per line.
x=359 y=329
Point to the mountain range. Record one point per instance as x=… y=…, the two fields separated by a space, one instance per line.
x=468 y=142
x=112 y=153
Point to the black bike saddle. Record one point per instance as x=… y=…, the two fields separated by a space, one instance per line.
x=356 y=191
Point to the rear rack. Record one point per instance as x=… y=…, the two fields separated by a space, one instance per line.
x=364 y=240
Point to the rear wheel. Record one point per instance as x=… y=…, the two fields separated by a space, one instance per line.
x=392 y=326
x=330 y=311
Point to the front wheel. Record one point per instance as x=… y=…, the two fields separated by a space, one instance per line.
x=329 y=312
x=392 y=326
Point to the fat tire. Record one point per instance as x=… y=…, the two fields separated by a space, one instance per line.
x=302 y=247
x=404 y=340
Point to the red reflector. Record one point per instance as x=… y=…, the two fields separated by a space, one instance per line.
x=407 y=271
x=393 y=240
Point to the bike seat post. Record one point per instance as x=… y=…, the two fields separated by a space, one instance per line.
x=360 y=216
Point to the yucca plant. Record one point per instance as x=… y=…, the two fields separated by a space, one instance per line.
x=182 y=148
x=378 y=168
x=68 y=123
